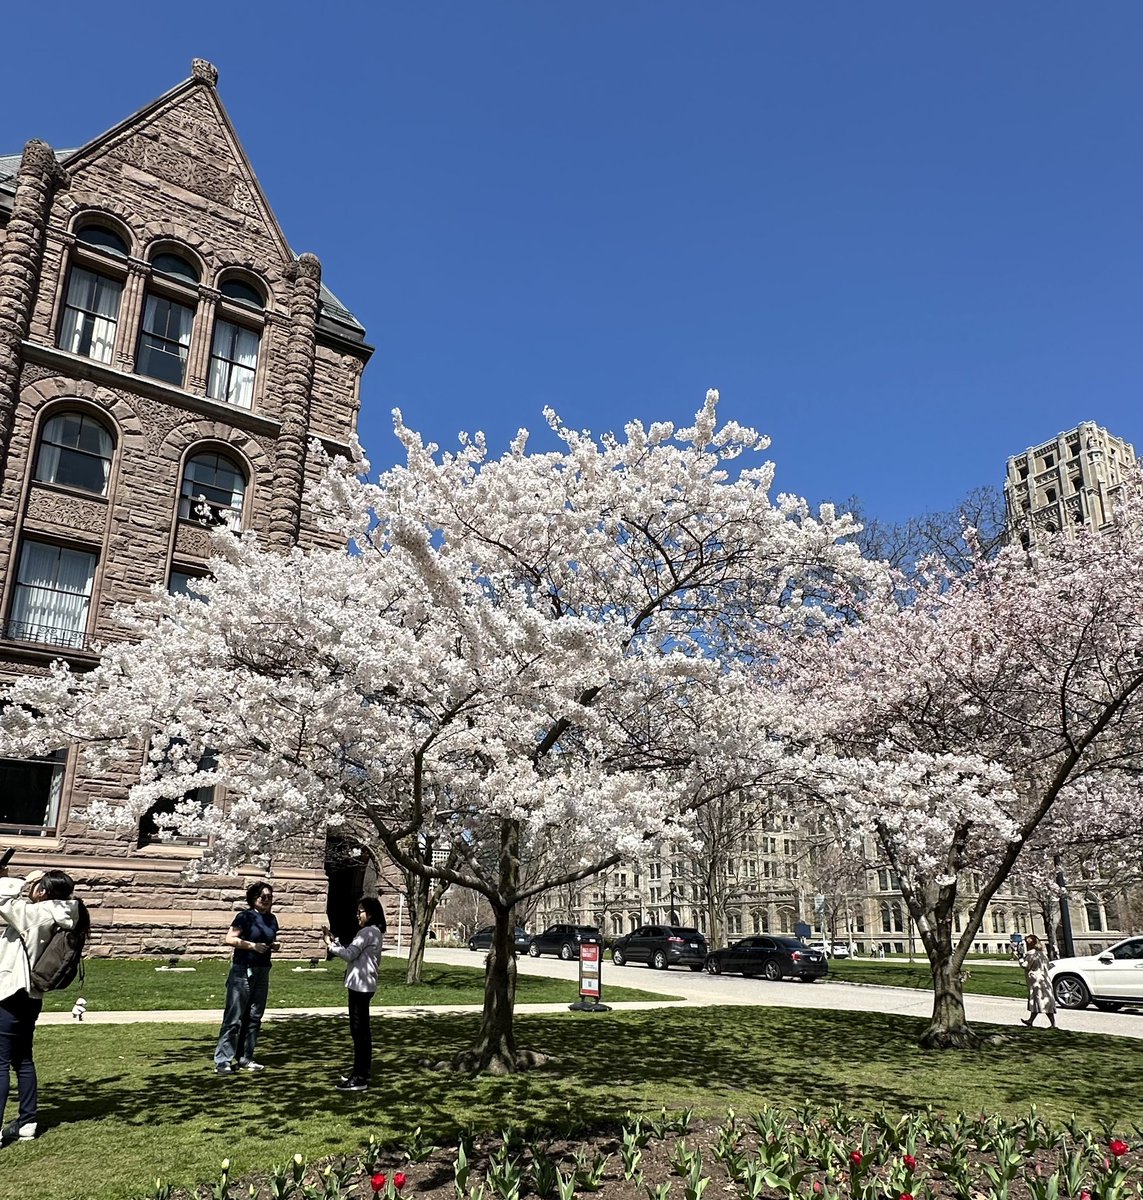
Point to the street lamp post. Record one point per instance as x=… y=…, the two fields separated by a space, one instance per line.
x=674 y=915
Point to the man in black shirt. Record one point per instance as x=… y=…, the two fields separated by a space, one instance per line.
x=254 y=936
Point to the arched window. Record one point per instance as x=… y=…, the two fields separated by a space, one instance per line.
x=212 y=491
x=101 y=238
x=245 y=293
x=75 y=451
x=90 y=314
x=168 y=263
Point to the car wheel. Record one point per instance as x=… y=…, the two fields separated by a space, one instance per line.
x=566 y=952
x=1071 y=992
x=1107 y=1005
x=713 y=966
x=696 y=966
x=472 y=945
x=659 y=960
x=772 y=970
x=618 y=959
x=533 y=951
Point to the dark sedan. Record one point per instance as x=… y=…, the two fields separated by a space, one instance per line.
x=482 y=939
x=563 y=940
x=662 y=946
x=770 y=957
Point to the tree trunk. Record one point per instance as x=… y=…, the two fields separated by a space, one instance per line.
x=949 y=1029
x=496 y=1049
x=420 y=916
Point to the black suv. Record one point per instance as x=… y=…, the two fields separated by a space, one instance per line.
x=662 y=946
x=564 y=940
x=482 y=938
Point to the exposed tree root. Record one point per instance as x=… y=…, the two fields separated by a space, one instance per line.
x=956 y=1037
x=473 y=1062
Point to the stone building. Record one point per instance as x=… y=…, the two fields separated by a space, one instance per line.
x=165 y=359
x=1070 y=482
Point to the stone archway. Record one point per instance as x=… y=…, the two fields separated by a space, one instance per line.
x=352 y=873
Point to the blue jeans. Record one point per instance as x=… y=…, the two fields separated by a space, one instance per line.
x=18 y=1016
x=246 y=990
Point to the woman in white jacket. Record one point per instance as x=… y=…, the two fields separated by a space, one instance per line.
x=30 y=909
x=362 y=954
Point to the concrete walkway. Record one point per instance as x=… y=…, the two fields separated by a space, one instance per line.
x=693 y=990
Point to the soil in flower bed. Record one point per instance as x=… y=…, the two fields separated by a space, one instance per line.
x=774 y=1154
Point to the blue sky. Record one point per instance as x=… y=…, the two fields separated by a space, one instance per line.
x=903 y=240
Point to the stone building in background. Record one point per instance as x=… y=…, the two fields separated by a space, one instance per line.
x=165 y=359
x=1068 y=483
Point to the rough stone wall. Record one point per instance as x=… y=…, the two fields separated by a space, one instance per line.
x=173 y=175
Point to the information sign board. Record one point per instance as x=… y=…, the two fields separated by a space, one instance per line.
x=590 y=956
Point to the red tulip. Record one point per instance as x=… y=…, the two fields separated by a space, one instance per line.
x=377 y=1182
x=399 y=1180
x=1085 y=1195
x=906 y=1196
x=910 y=1162
x=817 y=1187
x=855 y=1157
x=1118 y=1147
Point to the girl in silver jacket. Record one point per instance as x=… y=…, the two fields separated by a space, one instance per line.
x=362 y=954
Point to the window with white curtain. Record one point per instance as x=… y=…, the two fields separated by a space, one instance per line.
x=75 y=451
x=30 y=791
x=164 y=340
x=212 y=491
x=233 y=361
x=90 y=315
x=52 y=596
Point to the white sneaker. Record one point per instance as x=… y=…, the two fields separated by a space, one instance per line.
x=251 y=1065
x=14 y=1131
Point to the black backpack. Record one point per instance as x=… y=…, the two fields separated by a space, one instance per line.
x=62 y=958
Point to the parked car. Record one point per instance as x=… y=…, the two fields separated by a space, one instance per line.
x=482 y=939
x=1108 y=980
x=770 y=957
x=662 y=946
x=563 y=940
x=831 y=949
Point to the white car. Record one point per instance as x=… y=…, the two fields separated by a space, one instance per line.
x=836 y=950
x=1108 y=980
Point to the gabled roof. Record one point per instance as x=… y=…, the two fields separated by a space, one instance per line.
x=334 y=316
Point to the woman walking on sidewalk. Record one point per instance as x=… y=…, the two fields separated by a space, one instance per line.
x=1040 y=996
x=362 y=955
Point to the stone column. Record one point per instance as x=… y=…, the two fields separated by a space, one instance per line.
x=20 y=261
x=290 y=457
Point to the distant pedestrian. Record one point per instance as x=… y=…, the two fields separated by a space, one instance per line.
x=254 y=936
x=362 y=955
x=30 y=910
x=1041 y=999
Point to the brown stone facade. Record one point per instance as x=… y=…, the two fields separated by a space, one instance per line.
x=154 y=325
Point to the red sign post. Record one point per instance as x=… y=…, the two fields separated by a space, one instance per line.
x=590 y=979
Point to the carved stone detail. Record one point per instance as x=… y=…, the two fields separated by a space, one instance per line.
x=72 y=513
x=205 y=71
x=191 y=541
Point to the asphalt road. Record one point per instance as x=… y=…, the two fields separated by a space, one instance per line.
x=700 y=988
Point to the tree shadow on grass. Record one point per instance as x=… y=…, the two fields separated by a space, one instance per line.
x=603 y=1065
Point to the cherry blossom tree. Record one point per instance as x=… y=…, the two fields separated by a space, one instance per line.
x=538 y=660
x=952 y=726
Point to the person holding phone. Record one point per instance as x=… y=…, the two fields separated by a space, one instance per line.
x=30 y=910
x=254 y=936
x=362 y=954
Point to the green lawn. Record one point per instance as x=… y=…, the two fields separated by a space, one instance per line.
x=1004 y=979
x=122 y=1104
x=116 y=984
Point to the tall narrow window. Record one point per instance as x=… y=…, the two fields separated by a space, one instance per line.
x=53 y=593
x=233 y=361
x=30 y=790
x=91 y=312
x=213 y=490
x=164 y=340
x=75 y=451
